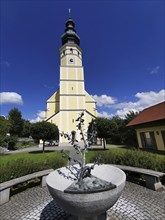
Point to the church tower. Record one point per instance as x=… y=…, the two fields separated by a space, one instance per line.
x=65 y=105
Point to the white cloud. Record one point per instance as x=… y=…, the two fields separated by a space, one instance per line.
x=104 y=114
x=155 y=70
x=48 y=87
x=104 y=100
x=10 y=98
x=122 y=112
x=145 y=99
x=150 y=98
x=4 y=63
x=41 y=114
x=40 y=117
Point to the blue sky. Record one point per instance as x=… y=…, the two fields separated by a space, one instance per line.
x=123 y=53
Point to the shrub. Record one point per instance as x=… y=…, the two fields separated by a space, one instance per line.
x=12 y=140
x=14 y=166
x=24 y=144
x=134 y=158
x=9 y=142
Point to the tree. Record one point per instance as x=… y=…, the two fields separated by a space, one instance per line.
x=16 y=122
x=4 y=129
x=130 y=116
x=44 y=131
x=115 y=131
x=116 y=126
x=26 y=128
x=103 y=129
x=129 y=133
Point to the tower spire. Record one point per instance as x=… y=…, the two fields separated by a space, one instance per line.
x=70 y=36
x=69 y=13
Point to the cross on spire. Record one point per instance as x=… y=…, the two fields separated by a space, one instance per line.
x=69 y=12
x=70 y=36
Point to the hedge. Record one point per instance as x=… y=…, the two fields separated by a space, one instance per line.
x=126 y=157
x=17 y=165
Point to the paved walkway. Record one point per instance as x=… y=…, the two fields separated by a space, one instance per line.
x=136 y=203
x=32 y=149
x=51 y=148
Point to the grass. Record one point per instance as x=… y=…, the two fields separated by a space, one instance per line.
x=135 y=158
x=16 y=165
x=25 y=145
x=127 y=157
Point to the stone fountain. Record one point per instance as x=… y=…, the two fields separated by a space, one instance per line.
x=85 y=190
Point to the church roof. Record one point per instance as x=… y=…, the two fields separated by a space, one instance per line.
x=54 y=97
x=151 y=114
x=70 y=36
x=88 y=98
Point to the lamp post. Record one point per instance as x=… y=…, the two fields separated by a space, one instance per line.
x=7 y=135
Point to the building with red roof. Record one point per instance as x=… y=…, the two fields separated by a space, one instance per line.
x=150 y=127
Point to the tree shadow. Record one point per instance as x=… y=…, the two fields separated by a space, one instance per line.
x=97 y=149
x=53 y=212
x=40 y=151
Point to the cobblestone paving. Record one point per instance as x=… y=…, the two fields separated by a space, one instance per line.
x=136 y=203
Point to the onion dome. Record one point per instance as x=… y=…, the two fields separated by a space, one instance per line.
x=70 y=36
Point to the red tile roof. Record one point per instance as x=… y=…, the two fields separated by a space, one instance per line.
x=153 y=113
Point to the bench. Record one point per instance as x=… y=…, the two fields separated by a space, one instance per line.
x=5 y=187
x=151 y=177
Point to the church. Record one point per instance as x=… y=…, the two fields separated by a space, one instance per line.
x=71 y=99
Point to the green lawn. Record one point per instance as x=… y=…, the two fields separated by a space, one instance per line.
x=130 y=157
x=16 y=165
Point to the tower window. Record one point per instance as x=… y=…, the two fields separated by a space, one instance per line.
x=64 y=52
x=72 y=120
x=72 y=87
x=71 y=50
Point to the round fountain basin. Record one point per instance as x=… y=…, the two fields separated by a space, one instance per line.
x=86 y=205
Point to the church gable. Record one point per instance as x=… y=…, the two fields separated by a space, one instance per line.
x=88 y=98
x=54 y=97
x=52 y=105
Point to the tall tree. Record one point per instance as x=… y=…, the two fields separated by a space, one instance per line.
x=4 y=129
x=26 y=128
x=103 y=129
x=129 y=133
x=116 y=134
x=44 y=131
x=115 y=130
x=16 y=122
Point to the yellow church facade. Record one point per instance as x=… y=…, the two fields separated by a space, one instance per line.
x=65 y=105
